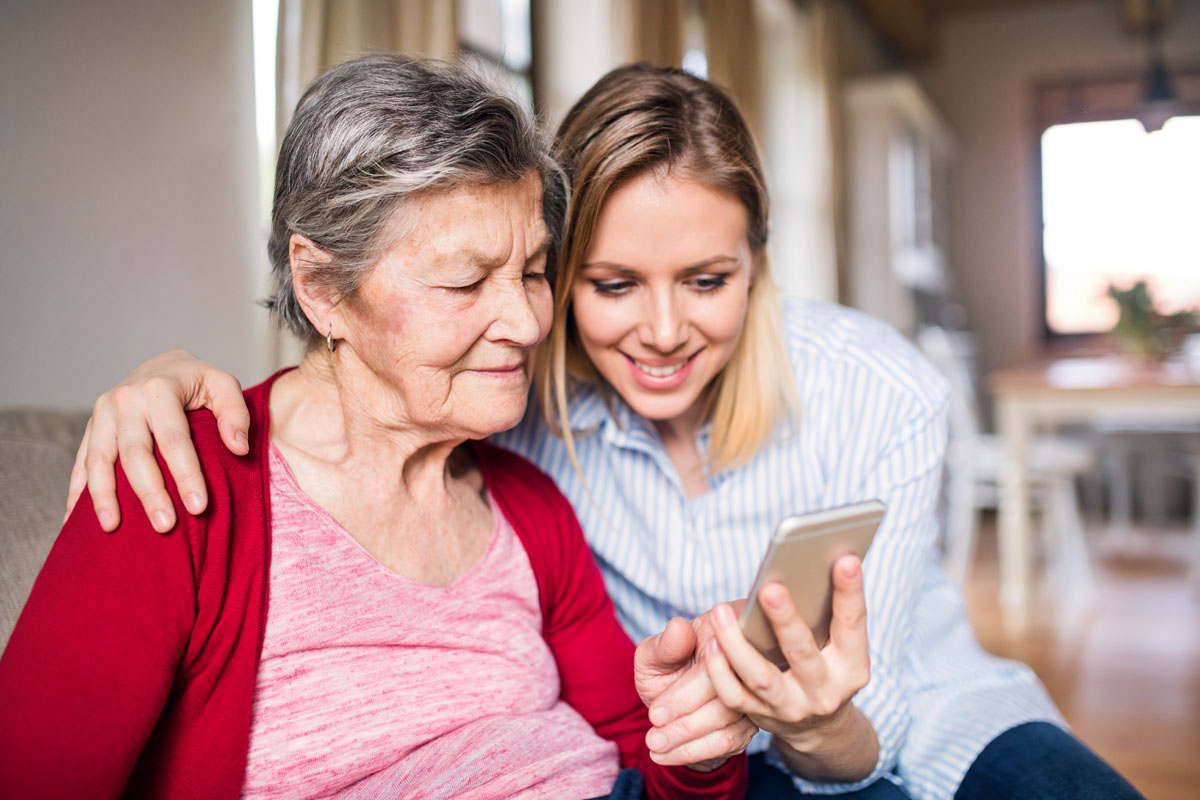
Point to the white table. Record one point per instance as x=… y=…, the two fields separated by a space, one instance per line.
x=1029 y=398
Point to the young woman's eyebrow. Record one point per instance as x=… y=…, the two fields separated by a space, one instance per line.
x=624 y=270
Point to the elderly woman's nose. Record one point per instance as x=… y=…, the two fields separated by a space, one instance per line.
x=516 y=319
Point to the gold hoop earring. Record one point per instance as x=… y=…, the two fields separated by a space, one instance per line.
x=330 y=342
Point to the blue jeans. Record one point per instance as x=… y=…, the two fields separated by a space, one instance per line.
x=1040 y=761
x=767 y=783
x=1034 y=761
x=628 y=786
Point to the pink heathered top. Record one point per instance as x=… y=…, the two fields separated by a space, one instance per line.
x=374 y=685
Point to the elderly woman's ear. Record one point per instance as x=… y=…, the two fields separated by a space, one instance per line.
x=316 y=299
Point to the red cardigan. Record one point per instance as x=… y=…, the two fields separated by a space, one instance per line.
x=131 y=670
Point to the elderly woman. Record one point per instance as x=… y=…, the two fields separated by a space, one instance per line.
x=372 y=604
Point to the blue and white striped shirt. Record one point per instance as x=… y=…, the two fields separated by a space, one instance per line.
x=872 y=425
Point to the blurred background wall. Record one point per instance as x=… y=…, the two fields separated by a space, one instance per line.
x=129 y=208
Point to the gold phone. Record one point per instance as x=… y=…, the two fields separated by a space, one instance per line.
x=801 y=556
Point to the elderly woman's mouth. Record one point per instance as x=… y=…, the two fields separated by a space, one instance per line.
x=516 y=370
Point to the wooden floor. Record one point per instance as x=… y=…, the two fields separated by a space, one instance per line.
x=1124 y=668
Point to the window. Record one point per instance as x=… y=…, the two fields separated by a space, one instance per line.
x=1119 y=205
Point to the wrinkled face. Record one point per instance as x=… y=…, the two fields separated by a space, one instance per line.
x=448 y=319
x=661 y=296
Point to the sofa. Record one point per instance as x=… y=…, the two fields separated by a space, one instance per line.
x=37 y=449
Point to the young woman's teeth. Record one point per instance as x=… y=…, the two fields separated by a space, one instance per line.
x=660 y=372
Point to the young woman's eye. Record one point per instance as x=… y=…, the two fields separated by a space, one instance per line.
x=708 y=283
x=613 y=288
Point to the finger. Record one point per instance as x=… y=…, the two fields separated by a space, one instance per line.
x=794 y=636
x=710 y=716
x=683 y=697
x=78 y=473
x=762 y=678
x=848 y=629
x=100 y=476
x=723 y=743
x=705 y=626
x=173 y=435
x=729 y=688
x=223 y=394
x=145 y=477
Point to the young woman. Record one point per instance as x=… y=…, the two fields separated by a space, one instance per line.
x=687 y=410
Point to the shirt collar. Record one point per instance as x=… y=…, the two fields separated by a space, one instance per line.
x=625 y=429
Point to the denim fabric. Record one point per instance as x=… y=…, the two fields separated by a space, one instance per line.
x=1040 y=761
x=628 y=786
x=768 y=783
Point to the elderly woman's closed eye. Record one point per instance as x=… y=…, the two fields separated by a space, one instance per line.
x=373 y=603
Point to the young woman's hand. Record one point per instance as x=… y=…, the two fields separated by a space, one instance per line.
x=808 y=707
x=690 y=725
x=145 y=408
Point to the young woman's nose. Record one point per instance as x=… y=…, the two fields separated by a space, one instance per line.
x=664 y=327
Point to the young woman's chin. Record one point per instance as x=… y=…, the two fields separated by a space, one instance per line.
x=661 y=406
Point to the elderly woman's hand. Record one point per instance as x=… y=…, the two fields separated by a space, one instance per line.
x=149 y=406
x=809 y=708
x=691 y=725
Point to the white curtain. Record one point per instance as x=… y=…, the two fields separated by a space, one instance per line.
x=799 y=116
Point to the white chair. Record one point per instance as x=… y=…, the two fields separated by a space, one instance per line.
x=975 y=464
x=1168 y=449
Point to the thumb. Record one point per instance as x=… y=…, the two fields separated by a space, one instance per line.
x=673 y=648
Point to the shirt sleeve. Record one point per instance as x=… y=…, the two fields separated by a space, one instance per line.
x=904 y=470
x=93 y=657
x=595 y=662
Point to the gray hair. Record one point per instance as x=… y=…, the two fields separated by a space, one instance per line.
x=373 y=133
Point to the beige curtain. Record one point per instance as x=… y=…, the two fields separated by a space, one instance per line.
x=823 y=64
x=731 y=27
x=658 y=31
x=316 y=34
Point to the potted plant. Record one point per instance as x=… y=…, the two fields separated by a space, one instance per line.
x=1144 y=332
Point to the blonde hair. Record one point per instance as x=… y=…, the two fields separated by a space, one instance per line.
x=639 y=119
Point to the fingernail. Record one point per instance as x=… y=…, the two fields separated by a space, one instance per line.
x=851 y=569
x=106 y=519
x=192 y=501
x=713 y=646
x=656 y=740
x=659 y=716
x=724 y=615
x=240 y=438
x=162 y=521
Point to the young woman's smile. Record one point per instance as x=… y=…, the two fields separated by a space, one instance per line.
x=662 y=293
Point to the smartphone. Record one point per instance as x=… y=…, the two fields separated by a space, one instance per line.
x=801 y=556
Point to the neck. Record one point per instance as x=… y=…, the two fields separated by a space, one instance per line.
x=681 y=429
x=678 y=436
x=334 y=409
